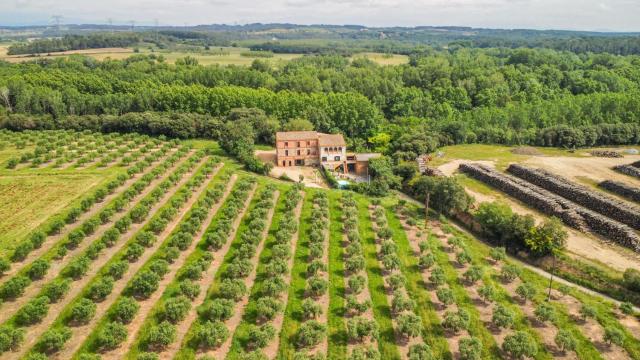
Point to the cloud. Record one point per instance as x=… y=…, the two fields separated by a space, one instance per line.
x=540 y=14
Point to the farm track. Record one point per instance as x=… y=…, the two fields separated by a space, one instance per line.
x=134 y=327
x=80 y=333
x=271 y=349
x=235 y=320
x=9 y=308
x=52 y=240
x=207 y=279
x=33 y=333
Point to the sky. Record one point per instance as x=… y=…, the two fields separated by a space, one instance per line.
x=599 y=15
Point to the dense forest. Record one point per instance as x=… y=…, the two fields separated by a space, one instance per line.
x=509 y=96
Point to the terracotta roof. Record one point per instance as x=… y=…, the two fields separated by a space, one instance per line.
x=330 y=140
x=295 y=135
x=367 y=156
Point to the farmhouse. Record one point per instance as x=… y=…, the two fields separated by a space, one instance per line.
x=312 y=148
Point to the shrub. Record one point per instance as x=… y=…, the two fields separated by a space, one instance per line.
x=526 y=291
x=53 y=340
x=189 y=289
x=587 y=311
x=268 y=307
x=510 y=272
x=160 y=336
x=78 y=267
x=22 y=250
x=426 y=261
x=160 y=267
x=502 y=317
x=565 y=341
x=56 y=289
x=470 y=349
x=14 y=287
x=100 y=289
x=498 y=254
x=134 y=251
x=437 y=276
x=626 y=308
x=117 y=269
x=83 y=311
x=111 y=335
x=10 y=338
x=420 y=352
x=359 y=328
x=456 y=321
x=33 y=312
x=317 y=286
x=631 y=278
x=38 y=269
x=210 y=335
x=233 y=289
x=260 y=336
x=520 y=345
x=311 y=309
x=613 y=335
x=401 y=303
x=409 y=325
x=310 y=333
x=217 y=310
x=474 y=274
x=176 y=309
x=544 y=312
x=395 y=281
x=124 y=310
x=356 y=284
x=487 y=292
x=445 y=295
x=5 y=265
x=145 y=284
x=364 y=352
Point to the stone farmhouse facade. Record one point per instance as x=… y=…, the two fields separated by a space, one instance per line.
x=312 y=148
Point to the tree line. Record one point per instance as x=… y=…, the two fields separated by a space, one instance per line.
x=74 y=42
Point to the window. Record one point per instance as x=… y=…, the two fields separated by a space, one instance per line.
x=340 y=148
x=308 y=151
x=298 y=152
x=326 y=149
x=286 y=144
x=336 y=158
x=324 y=158
x=299 y=144
x=308 y=143
x=289 y=162
x=284 y=163
x=286 y=153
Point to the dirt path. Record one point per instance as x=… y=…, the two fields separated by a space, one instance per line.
x=51 y=240
x=235 y=320
x=33 y=333
x=403 y=344
x=205 y=282
x=9 y=308
x=134 y=327
x=271 y=350
x=80 y=333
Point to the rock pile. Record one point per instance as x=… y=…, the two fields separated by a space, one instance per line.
x=606 y=153
x=624 y=190
x=554 y=205
x=582 y=195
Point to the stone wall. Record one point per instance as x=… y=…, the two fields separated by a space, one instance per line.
x=624 y=190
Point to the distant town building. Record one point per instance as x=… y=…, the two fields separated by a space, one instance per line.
x=312 y=148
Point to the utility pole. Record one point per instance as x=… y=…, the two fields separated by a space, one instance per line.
x=133 y=24
x=57 y=19
x=426 y=209
x=110 y=21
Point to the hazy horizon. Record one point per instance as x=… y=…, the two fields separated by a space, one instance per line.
x=585 y=15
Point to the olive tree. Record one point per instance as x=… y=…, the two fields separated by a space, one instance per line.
x=520 y=345
x=565 y=341
x=470 y=349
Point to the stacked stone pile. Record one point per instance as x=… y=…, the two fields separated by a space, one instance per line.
x=606 y=153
